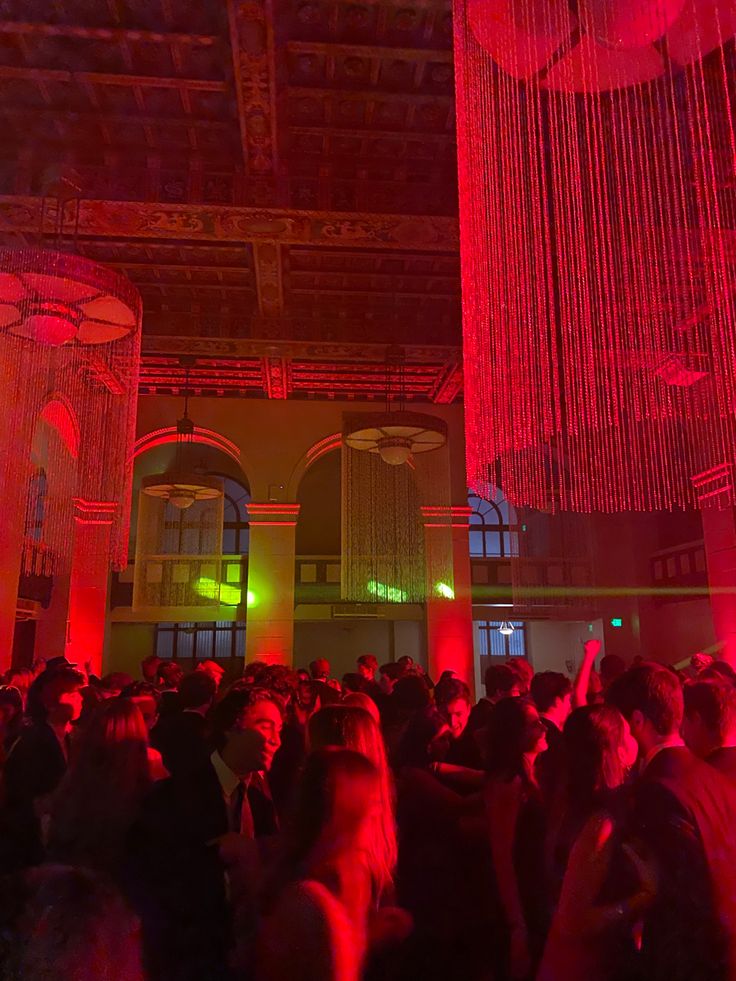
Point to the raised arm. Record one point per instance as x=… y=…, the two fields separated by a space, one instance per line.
x=591 y=650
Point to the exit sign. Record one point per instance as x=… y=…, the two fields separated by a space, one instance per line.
x=617 y=622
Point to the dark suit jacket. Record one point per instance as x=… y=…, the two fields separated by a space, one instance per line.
x=34 y=768
x=181 y=738
x=685 y=812
x=176 y=881
x=724 y=760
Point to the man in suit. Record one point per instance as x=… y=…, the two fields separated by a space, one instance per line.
x=551 y=692
x=182 y=737
x=709 y=728
x=685 y=816
x=178 y=881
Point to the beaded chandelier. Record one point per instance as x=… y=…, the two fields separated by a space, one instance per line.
x=597 y=150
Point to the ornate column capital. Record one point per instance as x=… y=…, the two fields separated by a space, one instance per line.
x=714 y=487
x=444 y=516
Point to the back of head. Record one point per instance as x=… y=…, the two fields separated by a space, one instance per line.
x=197 y=690
x=715 y=703
x=411 y=693
x=352 y=681
x=347 y=726
x=169 y=674
x=320 y=669
x=500 y=681
x=72 y=926
x=523 y=671
x=612 y=667
x=336 y=793
x=114 y=682
x=48 y=687
x=363 y=701
x=719 y=670
x=549 y=686
x=653 y=691
x=506 y=735
x=593 y=741
x=112 y=748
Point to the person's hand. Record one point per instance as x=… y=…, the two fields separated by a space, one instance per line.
x=389 y=925
x=592 y=648
x=520 y=960
x=646 y=869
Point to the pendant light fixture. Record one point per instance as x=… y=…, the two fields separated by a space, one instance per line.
x=184 y=484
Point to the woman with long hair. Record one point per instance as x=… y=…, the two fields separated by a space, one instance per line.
x=351 y=727
x=317 y=927
x=515 y=820
x=602 y=892
x=99 y=798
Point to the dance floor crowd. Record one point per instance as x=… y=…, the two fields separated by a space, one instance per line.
x=287 y=826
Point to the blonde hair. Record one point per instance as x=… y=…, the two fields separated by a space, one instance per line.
x=351 y=727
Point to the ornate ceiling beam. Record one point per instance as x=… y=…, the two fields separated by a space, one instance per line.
x=110 y=78
x=38 y=29
x=369 y=51
x=251 y=39
x=209 y=347
x=277 y=378
x=214 y=223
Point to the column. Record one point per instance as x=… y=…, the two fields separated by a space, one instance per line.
x=89 y=582
x=716 y=499
x=269 y=632
x=449 y=607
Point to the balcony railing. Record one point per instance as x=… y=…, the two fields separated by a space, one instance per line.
x=190 y=580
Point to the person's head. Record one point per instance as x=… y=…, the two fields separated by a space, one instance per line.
x=388 y=675
x=552 y=694
x=302 y=675
x=168 y=675
x=405 y=662
x=213 y=669
x=60 y=696
x=710 y=716
x=700 y=661
x=113 y=683
x=523 y=671
x=246 y=726
x=197 y=691
x=719 y=671
x=72 y=925
x=11 y=711
x=454 y=704
x=650 y=699
x=352 y=681
x=367 y=666
x=337 y=800
x=255 y=673
x=501 y=682
x=612 y=667
x=149 y=667
x=361 y=700
x=410 y=693
x=320 y=669
x=599 y=750
x=147 y=698
x=22 y=680
x=515 y=736
x=114 y=743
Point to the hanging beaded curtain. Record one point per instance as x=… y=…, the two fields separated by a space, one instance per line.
x=432 y=477
x=178 y=553
x=382 y=533
x=69 y=356
x=596 y=157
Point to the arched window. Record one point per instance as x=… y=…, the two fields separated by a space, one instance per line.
x=235 y=530
x=493 y=529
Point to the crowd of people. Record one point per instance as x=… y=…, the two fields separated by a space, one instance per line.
x=287 y=826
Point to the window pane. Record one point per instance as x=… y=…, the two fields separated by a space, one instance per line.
x=476 y=544
x=223 y=640
x=229 y=538
x=164 y=643
x=493 y=543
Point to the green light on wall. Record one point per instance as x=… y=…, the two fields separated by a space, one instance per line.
x=617 y=622
x=443 y=590
x=251 y=598
x=389 y=594
x=212 y=589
